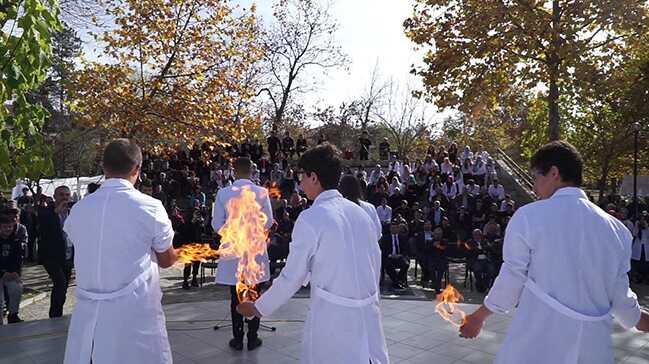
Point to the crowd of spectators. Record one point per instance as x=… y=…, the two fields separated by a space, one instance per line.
x=444 y=205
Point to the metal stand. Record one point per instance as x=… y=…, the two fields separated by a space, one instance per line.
x=267 y=328
x=261 y=326
x=216 y=327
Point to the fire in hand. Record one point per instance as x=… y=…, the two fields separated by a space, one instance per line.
x=447 y=306
x=195 y=252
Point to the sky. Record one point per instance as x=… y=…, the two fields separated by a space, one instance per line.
x=371 y=33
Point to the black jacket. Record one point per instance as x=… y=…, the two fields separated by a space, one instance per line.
x=386 y=245
x=52 y=243
x=427 y=248
x=11 y=250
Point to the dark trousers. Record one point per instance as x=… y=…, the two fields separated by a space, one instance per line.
x=237 y=318
x=484 y=271
x=392 y=264
x=364 y=155
x=60 y=276
x=640 y=268
x=437 y=267
x=191 y=267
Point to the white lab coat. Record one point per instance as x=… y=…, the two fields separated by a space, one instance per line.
x=226 y=273
x=118 y=315
x=335 y=242
x=565 y=266
x=373 y=214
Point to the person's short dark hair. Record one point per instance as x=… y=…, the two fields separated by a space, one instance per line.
x=25 y=189
x=242 y=166
x=6 y=218
x=121 y=156
x=10 y=208
x=61 y=187
x=350 y=188
x=324 y=161
x=562 y=155
x=92 y=187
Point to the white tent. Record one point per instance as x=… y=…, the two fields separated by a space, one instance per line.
x=18 y=190
x=626 y=189
x=78 y=185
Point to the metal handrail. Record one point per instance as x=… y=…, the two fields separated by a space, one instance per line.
x=521 y=174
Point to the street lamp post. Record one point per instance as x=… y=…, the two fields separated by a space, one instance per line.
x=636 y=131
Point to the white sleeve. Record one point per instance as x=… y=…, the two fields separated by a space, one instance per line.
x=507 y=288
x=624 y=306
x=298 y=265
x=163 y=233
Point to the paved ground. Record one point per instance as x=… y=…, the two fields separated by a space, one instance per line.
x=414 y=334
x=37 y=289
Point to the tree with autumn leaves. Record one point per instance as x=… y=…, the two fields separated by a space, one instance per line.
x=171 y=71
x=477 y=51
x=523 y=72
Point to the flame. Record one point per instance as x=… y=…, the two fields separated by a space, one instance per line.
x=447 y=306
x=244 y=237
x=274 y=192
x=195 y=252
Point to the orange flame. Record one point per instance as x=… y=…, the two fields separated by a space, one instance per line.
x=447 y=306
x=195 y=252
x=244 y=237
x=274 y=192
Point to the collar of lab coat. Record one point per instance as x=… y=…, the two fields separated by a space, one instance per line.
x=570 y=191
x=242 y=182
x=327 y=195
x=117 y=183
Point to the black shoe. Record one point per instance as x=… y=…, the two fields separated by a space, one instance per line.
x=237 y=344
x=194 y=282
x=254 y=343
x=13 y=319
x=185 y=285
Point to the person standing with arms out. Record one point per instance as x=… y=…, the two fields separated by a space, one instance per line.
x=333 y=243
x=227 y=271
x=55 y=251
x=565 y=265
x=121 y=238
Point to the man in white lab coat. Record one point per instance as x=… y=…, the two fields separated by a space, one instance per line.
x=227 y=270
x=565 y=266
x=334 y=245
x=120 y=237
